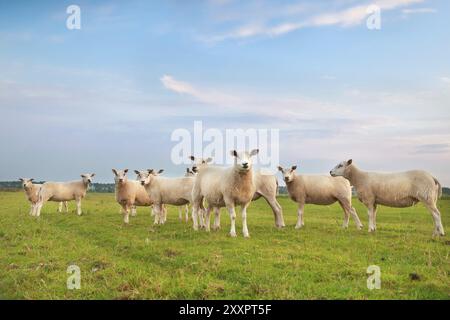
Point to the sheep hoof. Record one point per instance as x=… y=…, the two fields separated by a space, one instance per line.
x=246 y=236
x=298 y=227
x=233 y=234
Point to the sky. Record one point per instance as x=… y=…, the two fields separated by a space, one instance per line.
x=110 y=94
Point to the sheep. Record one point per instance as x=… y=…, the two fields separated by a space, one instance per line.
x=31 y=191
x=399 y=190
x=133 y=207
x=161 y=190
x=320 y=190
x=189 y=173
x=266 y=187
x=226 y=187
x=64 y=191
x=129 y=194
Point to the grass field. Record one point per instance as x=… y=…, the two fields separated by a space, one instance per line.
x=140 y=261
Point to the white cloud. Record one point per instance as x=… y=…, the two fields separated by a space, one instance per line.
x=202 y=95
x=419 y=10
x=445 y=80
x=347 y=17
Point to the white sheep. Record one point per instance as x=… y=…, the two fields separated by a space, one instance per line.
x=129 y=194
x=163 y=191
x=266 y=187
x=226 y=187
x=400 y=190
x=32 y=193
x=319 y=190
x=64 y=191
x=189 y=173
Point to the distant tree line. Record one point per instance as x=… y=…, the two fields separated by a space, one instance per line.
x=109 y=187
x=95 y=187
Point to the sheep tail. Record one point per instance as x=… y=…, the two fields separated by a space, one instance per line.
x=439 y=187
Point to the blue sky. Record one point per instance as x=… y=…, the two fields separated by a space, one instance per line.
x=110 y=94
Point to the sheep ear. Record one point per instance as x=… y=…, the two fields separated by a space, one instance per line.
x=135 y=171
x=233 y=153
x=82 y=175
x=187 y=170
x=349 y=162
x=293 y=168
x=280 y=168
x=125 y=171
x=31 y=179
x=150 y=171
x=92 y=174
x=114 y=171
x=21 y=179
x=192 y=158
x=160 y=171
x=254 y=152
x=208 y=160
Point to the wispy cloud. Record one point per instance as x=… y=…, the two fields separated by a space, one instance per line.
x=433 y=148
x=418 y=10
x=269 y=25
x=202 y=95
x=445 y=80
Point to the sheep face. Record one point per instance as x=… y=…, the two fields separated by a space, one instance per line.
x=26 y=183
x=143 y=176
x=243 y=159
x=199 y=162
x=120 y=176
x=87 y=178
x=190 y=172
x=341 y=169
x=146 y=176
x=288 y=174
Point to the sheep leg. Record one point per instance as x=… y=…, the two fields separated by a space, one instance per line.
x=37 y=209
x=244 y=220
x=180 y=214
x=370 y=212
x=157 y=211
x=126 y=213
x=375 y=209
x=201 y=218
x=60 y=207
x=133 y=211
x=78 y=202
x=438 y=228
x=187 y=213
x=346 y=208
x=31 y=213
x=355 y=216
x=66 y=206
x=300 y=221
x=164 y=215
x=216 y=218
x=195 y=209
x=232 y=212
x=208 y=219
x=276 y=209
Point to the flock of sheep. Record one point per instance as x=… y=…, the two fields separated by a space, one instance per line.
x=208 y=187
